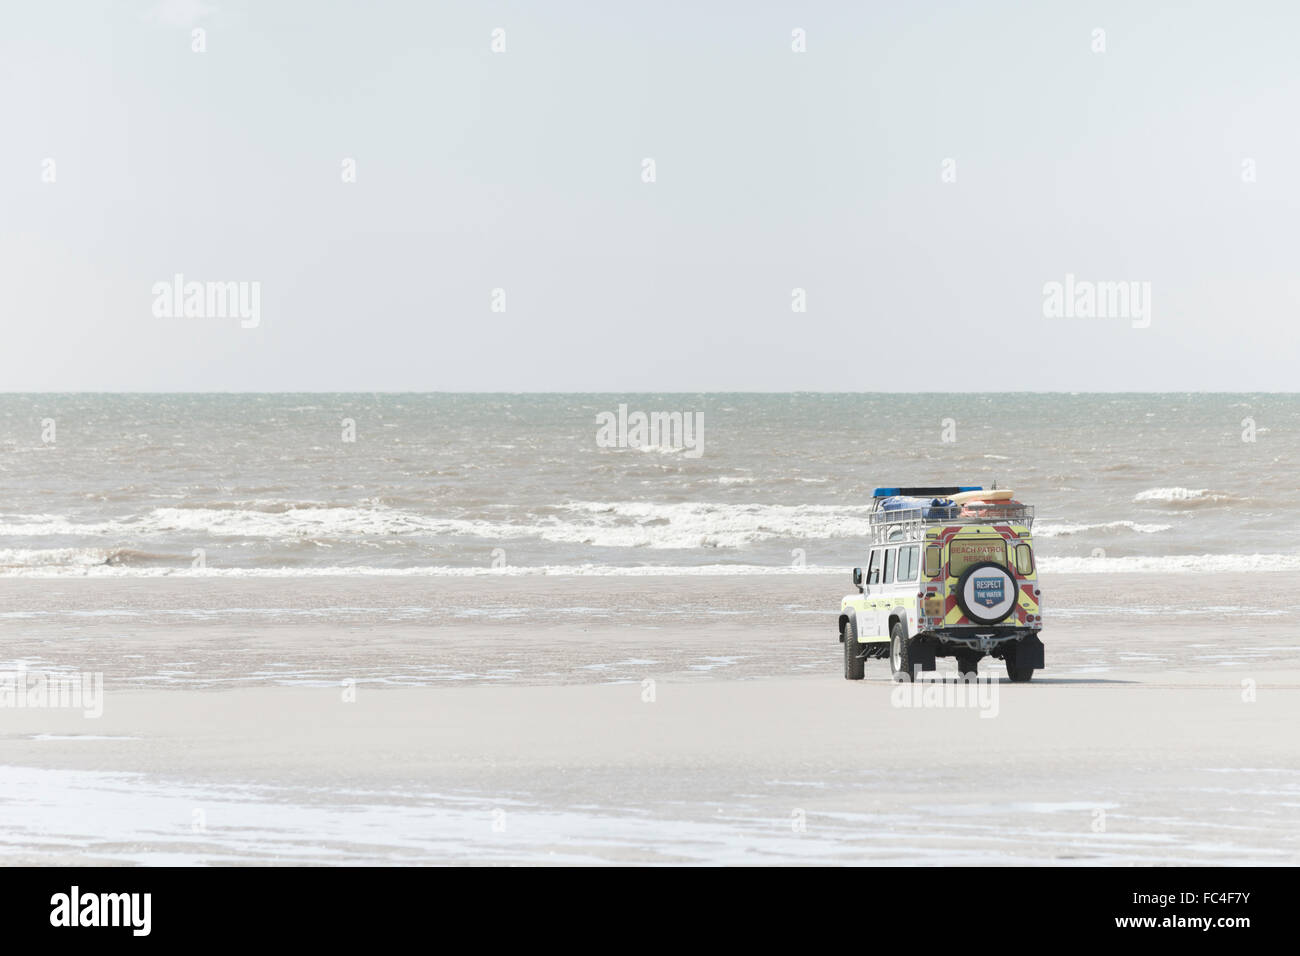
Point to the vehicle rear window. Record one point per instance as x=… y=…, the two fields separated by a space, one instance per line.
x=1024 y=559
x=963 y=552
x=907 y=562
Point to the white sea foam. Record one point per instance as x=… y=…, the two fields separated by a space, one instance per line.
x=306 y=522
x=1065 y=530
x=43 y=557
x=683 y=525
x=689 y=525
x=1171 y=564
x=1179 y=495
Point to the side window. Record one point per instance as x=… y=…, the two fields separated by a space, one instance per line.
x=889 y=566
x=1024 y=559
x=873 y=569
x=933 y=560
x=907 y=561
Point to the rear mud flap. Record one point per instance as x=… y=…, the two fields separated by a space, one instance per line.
x=1029 y=652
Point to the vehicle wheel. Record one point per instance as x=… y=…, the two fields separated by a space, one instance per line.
x=968 y=665
x=854 y=666
x=900 y=656
x=1018 y=675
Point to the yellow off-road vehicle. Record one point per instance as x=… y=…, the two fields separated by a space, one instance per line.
x=950 y=573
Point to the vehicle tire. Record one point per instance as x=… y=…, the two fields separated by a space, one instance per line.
x=900 y=654
x=968 y=665
x=854 y=666
x=1018 y=675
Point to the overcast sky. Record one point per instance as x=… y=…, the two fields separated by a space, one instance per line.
x=775 y=170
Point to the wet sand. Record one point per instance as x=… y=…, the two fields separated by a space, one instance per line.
x=683 y=719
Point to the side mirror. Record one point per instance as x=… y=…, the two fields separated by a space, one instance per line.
x=857 y=578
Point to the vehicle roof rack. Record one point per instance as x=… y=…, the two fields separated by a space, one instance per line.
x=910 y=524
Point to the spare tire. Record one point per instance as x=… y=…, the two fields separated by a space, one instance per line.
x=986 y=593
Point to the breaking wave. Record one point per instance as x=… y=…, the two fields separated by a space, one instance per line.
x=1065 y=530
x=685 y=525
x=1183 y=496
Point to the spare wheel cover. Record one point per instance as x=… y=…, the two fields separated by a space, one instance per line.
x=986 y=593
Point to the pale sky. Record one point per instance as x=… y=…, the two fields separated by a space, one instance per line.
x=775 y=170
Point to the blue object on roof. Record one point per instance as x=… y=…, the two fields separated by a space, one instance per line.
x=928 y=507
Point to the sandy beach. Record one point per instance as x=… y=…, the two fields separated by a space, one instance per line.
x=690 y=719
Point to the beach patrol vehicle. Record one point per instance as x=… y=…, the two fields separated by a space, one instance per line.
x=950 y=573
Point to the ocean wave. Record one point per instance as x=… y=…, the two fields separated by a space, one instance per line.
x=271 y=523
x=1182 y=496
x=19 y=526
x=1171 y=564
x=1065 y=530
x=690 y=525
x=77 y=558
x=626 y=524
x=266 y=505
x=560 y=570
x=335 y=522
x=660 y=449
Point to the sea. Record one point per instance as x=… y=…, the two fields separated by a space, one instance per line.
x=751 y=483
